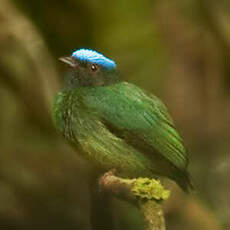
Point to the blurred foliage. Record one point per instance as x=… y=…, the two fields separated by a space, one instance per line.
x=179 y=50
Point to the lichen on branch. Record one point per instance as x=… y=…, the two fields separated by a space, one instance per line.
x=146 y=188
x=147 y=194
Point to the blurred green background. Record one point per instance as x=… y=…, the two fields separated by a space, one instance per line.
x=178 y=50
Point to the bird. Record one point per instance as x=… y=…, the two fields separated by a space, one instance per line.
x=115 y=124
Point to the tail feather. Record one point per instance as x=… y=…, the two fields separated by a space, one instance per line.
x=184 y=180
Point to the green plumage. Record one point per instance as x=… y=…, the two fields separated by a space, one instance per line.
x=117 y=125
x=120 y=126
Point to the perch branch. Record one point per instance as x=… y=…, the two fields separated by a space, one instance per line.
x=147 y=194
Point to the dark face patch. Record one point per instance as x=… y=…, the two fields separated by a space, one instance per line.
x=83 y=74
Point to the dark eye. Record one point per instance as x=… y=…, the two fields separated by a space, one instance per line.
x=94 y=67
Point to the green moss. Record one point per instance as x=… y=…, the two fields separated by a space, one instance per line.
x=146 y=188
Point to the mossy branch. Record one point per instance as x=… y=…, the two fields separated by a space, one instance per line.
x=147 y=194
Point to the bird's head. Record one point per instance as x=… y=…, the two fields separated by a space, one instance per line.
x=90 y=68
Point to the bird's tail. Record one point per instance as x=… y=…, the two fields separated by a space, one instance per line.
x=185 y=181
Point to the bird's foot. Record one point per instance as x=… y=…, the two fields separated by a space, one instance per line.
x=106 y=177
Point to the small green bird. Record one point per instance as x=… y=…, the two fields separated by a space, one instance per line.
x=117 y=125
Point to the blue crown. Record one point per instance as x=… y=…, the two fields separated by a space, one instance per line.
x=93 y=57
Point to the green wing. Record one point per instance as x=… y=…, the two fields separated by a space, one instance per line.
x=130 y=110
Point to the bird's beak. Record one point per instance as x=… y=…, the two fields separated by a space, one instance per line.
x=68 y=60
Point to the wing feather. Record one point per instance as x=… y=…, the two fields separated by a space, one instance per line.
x=130 y=109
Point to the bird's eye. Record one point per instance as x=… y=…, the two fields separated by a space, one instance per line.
x=94 y=67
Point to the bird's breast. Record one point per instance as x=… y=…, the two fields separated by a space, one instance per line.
x=72 y=118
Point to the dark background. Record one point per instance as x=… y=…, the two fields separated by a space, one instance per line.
x=178 y=50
